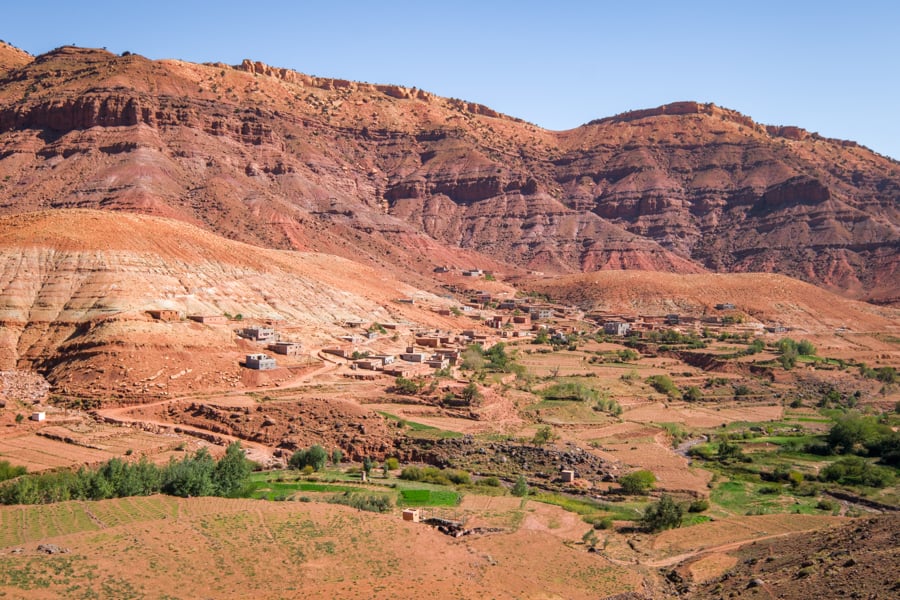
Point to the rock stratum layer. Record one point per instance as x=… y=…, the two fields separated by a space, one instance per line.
x=76 y=285
x=404 y=179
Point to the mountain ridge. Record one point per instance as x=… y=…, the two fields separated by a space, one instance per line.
x=408 y=180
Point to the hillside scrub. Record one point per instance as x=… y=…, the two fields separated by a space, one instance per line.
x=436 y=476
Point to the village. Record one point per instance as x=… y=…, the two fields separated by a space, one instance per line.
x=401 y=349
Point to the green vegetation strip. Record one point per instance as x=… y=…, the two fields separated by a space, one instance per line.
x=589 y=510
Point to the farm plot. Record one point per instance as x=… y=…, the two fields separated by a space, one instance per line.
x=286 y=549
x=425 y=497
x=26 y=523
x=116 y=440
x=37 y=453
x=716 y=533
x=701 y=416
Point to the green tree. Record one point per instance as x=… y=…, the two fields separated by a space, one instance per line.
x=543 y=435
x=472 y=358
x=665 y=514
x=8 y=471
x=850 y=432
x=855 y=470
x=788 y=350
x=315 y=456
x=664 y=385
x=520 y=488
x=471 y=394
x=192 y=476
x=405 y=386
x=368 y=465
x=638 y=482
x=231 y=471
x=336 y=456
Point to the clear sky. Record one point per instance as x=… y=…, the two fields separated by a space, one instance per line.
x=827 y=66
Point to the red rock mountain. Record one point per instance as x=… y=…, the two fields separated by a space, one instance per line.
x=399 y=177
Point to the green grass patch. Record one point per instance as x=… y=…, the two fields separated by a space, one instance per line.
x=427 y=497
x=759 y=498
x=694 y=519
x=421 y=430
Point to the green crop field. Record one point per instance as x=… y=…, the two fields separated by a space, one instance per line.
x=420 y=497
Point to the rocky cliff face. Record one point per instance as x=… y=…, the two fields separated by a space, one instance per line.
x=406 y=180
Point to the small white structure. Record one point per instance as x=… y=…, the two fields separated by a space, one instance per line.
x=567 y=475
x=38 y=416
x=411 y=514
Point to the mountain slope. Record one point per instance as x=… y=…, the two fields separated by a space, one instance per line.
x=407 y=180
x=75 y=285
x=766 y=297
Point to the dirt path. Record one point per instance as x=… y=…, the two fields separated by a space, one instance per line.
x=685 y=447
x=679 y=558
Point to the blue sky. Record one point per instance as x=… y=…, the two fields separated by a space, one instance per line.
x=830 y=67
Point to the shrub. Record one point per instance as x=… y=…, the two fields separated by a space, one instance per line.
x=411 y=473
x=336 y=456
x=8 y=471
x=367 y=502
x=638 y=482
x=489 y=482
x=407 y=387
x=728 y=450
x=693 y=394
x=854 y=470
x=852 y=430
x=664 y=385
x=741 y=390
x=391 y=464
x=805 y=348
x=665 y=514
x=698 y=506
x=826 y=505
x=471 y=394
x=520 y=488
x=543 y=435
x=315 y=457
x=604 y=523
x=571 y=391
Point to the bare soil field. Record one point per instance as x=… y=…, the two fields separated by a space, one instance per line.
x=703 y=415
x=211 y=548
x=727 y=531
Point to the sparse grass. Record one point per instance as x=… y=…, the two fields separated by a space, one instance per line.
x=420 y=430
x=590 y=510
